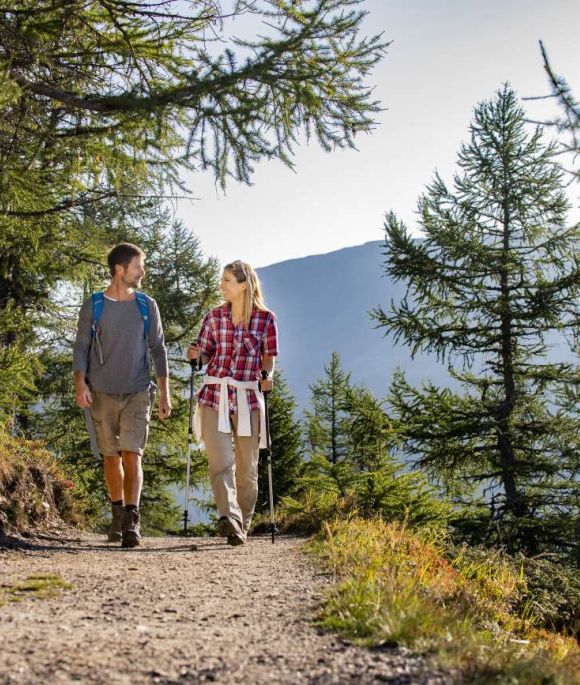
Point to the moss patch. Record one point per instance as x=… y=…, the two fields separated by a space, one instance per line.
x=35 y=490
x=37 y=586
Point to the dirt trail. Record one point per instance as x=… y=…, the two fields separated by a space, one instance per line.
x=181 y=611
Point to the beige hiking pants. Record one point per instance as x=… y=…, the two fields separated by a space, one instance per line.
x=233 y=466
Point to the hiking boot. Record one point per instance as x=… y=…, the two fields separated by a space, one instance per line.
x=131 y=531
x=228 y=529
x=115 y=531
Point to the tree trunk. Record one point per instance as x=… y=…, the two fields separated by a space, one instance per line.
x=515 y=501
x=334 y=455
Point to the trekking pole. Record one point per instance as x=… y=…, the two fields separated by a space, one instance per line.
x=193 y=364
x=269 y=447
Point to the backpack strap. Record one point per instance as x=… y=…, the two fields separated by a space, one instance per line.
x=98 y=302
x=141 y=300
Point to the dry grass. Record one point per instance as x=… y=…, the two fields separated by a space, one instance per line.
x=35 y=491
x=396 y=587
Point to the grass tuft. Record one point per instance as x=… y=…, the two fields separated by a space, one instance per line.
x=401 y=587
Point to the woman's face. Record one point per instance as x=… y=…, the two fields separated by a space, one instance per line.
x=230 y=288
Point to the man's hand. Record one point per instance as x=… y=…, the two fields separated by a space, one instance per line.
x=83 y=396
x=164 y=407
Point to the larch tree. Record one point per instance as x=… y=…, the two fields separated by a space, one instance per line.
x=566 y=125
x=491 y=287
x=327 y=423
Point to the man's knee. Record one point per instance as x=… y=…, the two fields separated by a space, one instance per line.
x=131 y=461
x=112 y=462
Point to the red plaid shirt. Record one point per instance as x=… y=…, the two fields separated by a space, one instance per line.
x=235 y=352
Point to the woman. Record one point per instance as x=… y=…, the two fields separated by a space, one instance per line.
x=238 y=340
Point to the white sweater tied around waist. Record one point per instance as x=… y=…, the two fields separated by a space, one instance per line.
x=244 y=428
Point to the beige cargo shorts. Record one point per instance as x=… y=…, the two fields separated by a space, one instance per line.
x=121 y=421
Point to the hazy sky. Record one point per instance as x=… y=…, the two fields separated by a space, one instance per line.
x=447 y=55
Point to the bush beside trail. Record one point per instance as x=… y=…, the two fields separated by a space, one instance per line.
x=36 y=493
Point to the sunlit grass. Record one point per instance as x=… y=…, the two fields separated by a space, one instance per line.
x=400 y=587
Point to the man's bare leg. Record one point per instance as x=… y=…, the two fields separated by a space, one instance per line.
x=133 y=481
x=113 y=467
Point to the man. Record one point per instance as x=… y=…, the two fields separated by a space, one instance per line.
x=118 y=331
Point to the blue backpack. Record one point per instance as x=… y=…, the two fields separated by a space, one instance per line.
x=99 y=301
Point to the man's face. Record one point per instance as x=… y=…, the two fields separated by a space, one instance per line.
x=133 y=275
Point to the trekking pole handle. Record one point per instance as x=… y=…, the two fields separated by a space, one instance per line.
x=195 y=364
x=265 y=374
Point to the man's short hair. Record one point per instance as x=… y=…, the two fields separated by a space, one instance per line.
x=122 y=254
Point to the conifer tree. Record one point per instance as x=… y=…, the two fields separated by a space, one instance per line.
x=327 y=424
x=372 y=434
x=567 y=125
x=494 y=282
x=144 y=76
x=286 y=437
x=103 y=104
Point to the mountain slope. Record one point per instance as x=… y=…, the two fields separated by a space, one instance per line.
x=322 y=303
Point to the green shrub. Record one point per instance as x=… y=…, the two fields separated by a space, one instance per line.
x=330 y=491
x=306 y=514
x=552 y=594
x=35 y=490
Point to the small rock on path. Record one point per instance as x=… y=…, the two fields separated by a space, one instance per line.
x=182 y=611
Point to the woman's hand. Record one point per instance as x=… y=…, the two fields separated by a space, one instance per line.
x=193 y=353
x=266 y=384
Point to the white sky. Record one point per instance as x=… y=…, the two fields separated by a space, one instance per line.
x=447 y=55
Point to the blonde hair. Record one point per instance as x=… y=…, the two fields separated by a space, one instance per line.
x=253 y=298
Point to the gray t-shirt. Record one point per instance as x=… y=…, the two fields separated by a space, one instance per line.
x=118 y=359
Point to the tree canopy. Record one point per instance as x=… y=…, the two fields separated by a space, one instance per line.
x=103 y=104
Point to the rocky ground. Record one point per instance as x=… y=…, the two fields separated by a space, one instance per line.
x=180 y=611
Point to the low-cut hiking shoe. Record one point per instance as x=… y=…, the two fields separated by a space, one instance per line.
x=115 y=533
x=228 y=529
x=131 y=528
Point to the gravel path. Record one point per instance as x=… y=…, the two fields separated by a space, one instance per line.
x=181 y=611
